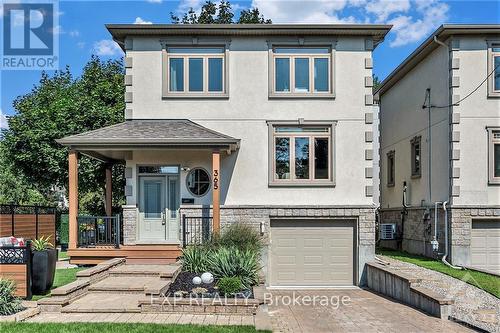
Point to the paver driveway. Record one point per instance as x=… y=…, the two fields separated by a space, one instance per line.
x=363 y=312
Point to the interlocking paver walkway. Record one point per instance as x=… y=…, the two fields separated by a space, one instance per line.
x=364 y=312
x=155 y=318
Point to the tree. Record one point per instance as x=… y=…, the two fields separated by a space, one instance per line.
x=223 y=14
x=376 y=82
x=59 y=106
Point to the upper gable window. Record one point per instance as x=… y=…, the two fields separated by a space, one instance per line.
x=301 y=72
x=494 y=70
x=196 y=71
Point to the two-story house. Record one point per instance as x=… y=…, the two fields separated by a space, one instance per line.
x=269 y=125
x=440 y=148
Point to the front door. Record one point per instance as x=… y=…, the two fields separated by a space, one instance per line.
x=159 y=209
x=152 y=204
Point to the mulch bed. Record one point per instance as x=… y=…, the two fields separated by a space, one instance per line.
x=184 y=282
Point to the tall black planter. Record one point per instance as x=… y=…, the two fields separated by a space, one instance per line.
x=43 y=270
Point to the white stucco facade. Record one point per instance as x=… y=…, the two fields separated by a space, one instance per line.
x=244 y=115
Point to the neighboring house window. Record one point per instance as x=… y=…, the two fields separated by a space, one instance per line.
x=494 y=69
x=416 y=157
x=494 y=155
x=198 y=181
x=391 y=168
x=301 y=71
x=301 y=155
x=196 y=71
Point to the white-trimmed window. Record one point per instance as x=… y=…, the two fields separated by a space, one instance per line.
x=301 y=155
x=494 y=69
x=494 y=155
x=301 y=71
x=196 y=71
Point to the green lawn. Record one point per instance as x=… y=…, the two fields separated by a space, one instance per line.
x=62 y=255
x=63 y=276
x=119 y=328
x=487 y=282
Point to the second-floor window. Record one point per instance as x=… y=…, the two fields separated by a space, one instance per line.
x=301 y=71
x=494 y=69
x=494 y=155
x=196 y=71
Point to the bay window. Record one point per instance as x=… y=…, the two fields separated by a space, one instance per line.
x=301 y=155
x=301 y=71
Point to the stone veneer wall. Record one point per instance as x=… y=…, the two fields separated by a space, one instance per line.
x=417 y=230
x=130 y=219
x=255 y=215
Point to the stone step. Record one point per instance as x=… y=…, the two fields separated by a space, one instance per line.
x=104 y=302
x=164 y=271
x=131 y=285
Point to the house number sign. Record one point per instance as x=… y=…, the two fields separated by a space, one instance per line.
x=216 y=179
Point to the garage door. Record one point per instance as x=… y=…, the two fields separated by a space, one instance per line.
x=312 y=253
x=485 y=245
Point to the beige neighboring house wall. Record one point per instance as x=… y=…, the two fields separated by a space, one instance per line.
x=460 y=157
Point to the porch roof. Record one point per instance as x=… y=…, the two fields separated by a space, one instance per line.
x=152 y=134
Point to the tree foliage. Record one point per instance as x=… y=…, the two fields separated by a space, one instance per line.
x=223 y=14
x=58 y=106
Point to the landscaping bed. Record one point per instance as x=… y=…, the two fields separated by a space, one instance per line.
x=183 y=286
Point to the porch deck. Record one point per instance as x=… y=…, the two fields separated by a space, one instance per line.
x=152 y=254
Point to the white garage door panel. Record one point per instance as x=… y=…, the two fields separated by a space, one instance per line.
x=312 y=253
x=485 y=245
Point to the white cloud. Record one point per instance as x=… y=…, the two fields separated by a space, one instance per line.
x=154 y=1
x=139 y=20
x=107 y=47
x=412 y=19
x=409 y=29
x=3 y=121
x=382 y=9
x=80 y=45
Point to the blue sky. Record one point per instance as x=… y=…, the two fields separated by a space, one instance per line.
x=82 y=33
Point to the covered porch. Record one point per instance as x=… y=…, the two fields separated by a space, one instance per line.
x=167 y=163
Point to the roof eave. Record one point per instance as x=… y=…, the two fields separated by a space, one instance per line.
x=444 y=31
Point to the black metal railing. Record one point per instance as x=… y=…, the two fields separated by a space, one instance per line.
x=196 y=229
x=17 y=255
x=98 y=231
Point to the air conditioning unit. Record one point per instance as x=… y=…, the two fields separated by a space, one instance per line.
x=388 y=231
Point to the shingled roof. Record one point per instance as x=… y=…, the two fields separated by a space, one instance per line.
x=151 y=133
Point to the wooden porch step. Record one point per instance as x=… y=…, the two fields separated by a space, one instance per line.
x=151 y=254
x=105 y=302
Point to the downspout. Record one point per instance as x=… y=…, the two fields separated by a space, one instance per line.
x=446 y=238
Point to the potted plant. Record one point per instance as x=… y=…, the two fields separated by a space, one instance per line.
x=43 y=265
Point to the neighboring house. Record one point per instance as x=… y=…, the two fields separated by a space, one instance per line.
x=269 y=125
x=456 y=72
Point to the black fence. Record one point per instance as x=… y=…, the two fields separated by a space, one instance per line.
x=15 y=265
x=196 y=230
x=99 y=231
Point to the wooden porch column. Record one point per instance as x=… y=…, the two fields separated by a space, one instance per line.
x=216 y=190
x=73 y=198
x=109 y=191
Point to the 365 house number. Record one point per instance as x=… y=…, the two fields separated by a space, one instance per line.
x=216 y=179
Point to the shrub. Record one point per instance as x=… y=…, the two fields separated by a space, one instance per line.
x=233 y=262
x=42 y=244
x=195 y=259
x=239 y=235
x=9 y=304
x=229 y=285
